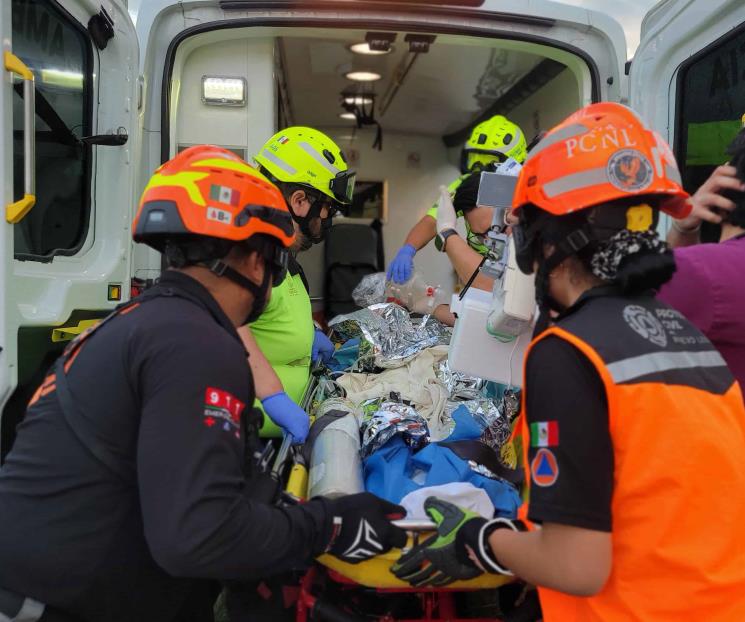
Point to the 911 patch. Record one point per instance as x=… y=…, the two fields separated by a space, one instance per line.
x=224 y=409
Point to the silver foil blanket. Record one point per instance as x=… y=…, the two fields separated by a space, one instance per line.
x=382 y=420
x=370 y=290
x=389 y=338
x=497 y=429
x=458 y=385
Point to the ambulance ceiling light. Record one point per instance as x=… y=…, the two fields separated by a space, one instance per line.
x=358 y=100
x=223 y=91
x=363 y=76
x=349 y=116
x=364 y=48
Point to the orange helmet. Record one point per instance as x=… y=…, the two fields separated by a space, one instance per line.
x=209 y=191
x=600 y=154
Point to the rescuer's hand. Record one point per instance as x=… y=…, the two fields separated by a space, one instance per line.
x=322 y=347
x=446 y=217
x=458 y=551
x=436 y=561
x=362 y=527
x=402 y=265
x=709 y=202
x=287 y=415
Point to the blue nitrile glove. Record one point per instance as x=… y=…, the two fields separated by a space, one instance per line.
x=287 y=415
x=402 y=265
x=322 y=347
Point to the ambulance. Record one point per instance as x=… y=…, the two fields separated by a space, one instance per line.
x=91 y=105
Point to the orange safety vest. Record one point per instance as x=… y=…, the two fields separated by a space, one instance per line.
x=677 y=424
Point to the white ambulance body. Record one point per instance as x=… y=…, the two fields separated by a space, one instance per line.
x=232 y=72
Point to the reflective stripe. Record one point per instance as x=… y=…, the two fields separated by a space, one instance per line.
x=638 y=366
x=279 y=162
x=576 y=181
x=570 y=131
x=673 y=173
x=318 y=157
x=515 y=139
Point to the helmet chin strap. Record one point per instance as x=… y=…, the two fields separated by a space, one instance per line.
x=220 y=268
x=304 y=222
x=570 y=245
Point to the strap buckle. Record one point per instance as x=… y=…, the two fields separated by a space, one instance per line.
x=577 y=240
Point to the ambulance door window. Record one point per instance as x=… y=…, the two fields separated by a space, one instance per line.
x=711 y=105
x=58 y=50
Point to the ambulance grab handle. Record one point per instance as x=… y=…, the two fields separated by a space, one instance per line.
x=15 y=212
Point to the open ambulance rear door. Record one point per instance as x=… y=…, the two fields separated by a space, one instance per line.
x=688 y=80
x=68 y=115
x=188 y=41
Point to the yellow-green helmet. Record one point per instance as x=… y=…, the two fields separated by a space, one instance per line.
x=495 y=140
x=305 y=156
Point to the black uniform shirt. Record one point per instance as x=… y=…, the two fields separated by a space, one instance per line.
x=571 y=453
x=163 y=387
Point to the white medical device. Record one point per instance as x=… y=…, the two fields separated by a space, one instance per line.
x=492 y=331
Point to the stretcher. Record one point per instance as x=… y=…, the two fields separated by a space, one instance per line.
x=333 y=590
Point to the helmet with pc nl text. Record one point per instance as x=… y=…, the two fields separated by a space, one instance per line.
x=595 y=184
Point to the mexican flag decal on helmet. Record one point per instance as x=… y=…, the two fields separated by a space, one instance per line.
x=226 y=195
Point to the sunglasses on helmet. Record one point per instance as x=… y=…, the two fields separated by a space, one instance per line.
x=342 y=186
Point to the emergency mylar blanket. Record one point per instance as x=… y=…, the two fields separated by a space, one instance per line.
x=389 y=338
x=370 y=290
x=416 y=382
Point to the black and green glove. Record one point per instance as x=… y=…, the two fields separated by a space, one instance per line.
x=435 y=562
x=362 y=528
x=443 y=558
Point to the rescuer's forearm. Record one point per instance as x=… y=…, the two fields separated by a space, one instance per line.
x=465 y=260
x=266 y=381
x=567 y=559
x=422 y=233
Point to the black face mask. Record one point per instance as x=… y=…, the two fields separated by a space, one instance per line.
x=314 y=213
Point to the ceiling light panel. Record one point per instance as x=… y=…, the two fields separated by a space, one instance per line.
x=222 y=91
x=364 y=48
x=363 y=76
x=358 y=100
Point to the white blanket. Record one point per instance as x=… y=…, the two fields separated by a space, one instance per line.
x=416 y=382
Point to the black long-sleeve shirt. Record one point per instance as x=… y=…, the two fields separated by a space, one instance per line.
x=164 y=387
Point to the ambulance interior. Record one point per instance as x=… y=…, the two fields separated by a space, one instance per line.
x=432 y=90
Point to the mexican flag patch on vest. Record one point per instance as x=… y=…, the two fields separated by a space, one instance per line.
x=544 y=434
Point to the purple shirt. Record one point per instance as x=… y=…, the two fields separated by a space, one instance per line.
x=709 y=289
